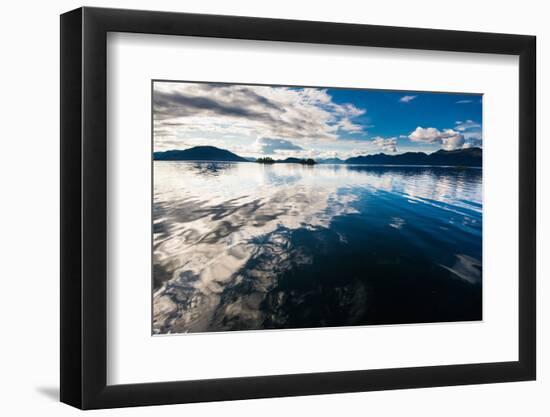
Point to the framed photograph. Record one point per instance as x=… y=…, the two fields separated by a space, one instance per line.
x=258 y=208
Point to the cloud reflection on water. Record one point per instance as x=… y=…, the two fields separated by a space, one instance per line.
x=223 y=232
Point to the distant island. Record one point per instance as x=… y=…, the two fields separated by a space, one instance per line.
x=471 y=157
x=303 y=161
x=199 y=153
x=266 y=160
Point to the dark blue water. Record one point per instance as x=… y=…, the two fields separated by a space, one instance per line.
x=242 y=246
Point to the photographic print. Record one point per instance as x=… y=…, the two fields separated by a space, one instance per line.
x=289 y=207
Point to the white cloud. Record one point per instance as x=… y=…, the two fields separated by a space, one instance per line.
x=449 y=139
x=471 y=130
x=466 y=125
x=426 y=135
x=348 y=126
x=453 y=142
x=471 y=142
x=407 y=99
x=388 y=144
x=184 y=110
x=463 y=101
x=272 y=145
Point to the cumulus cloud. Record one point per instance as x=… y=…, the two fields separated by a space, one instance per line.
x=387 y=144
x=453 y=142
x=221 y=110
x=272 y=145
x=427 y=135
x=449 y=139
x=407 y=99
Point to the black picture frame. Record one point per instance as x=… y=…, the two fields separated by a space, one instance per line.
x=84 y=207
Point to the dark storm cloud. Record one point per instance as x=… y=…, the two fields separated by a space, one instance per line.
x=177 y=104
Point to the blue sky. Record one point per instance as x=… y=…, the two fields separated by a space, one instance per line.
x=312 y=122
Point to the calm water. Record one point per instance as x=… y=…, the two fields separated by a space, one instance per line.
x=248 y=246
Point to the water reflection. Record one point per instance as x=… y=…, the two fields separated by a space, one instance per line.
x=249 y=246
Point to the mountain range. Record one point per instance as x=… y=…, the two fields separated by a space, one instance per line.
x=460 y=157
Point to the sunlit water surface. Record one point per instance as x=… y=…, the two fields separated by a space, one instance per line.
x=248 y=246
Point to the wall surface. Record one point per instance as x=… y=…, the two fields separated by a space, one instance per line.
x=29 y=213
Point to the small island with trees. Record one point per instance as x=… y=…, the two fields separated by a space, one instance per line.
x=304 y=161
